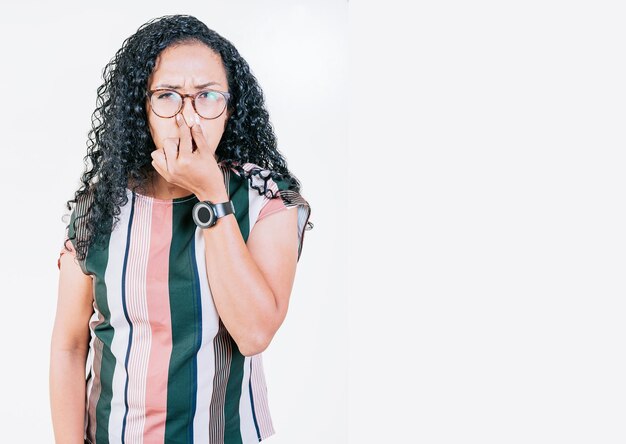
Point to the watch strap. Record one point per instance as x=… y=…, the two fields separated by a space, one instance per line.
x=224 y=208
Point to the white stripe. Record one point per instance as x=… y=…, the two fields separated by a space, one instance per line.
x=90 y=362
x=119 y=345
x=255 y=202
x=303 y=216
x=259 y=393
x=248 y=430
x=206 y=354
x=90 y=356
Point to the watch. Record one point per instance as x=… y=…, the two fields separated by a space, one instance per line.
x=205 y=213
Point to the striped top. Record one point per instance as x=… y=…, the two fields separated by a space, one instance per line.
x=161 y=366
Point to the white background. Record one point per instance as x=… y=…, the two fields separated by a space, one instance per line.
x=53 y=55
x=495 y=171
x=485 y=219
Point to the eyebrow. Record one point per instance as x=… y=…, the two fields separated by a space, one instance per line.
x=204 y=85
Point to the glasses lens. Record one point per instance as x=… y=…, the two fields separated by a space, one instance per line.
x=210 y=104
x=165 y=103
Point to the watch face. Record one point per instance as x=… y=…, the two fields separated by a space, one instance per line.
x=203 y=215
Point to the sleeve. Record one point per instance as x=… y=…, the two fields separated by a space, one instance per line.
x=272 y=206
x=285 y=199
x=68 y=244
x=74 y=230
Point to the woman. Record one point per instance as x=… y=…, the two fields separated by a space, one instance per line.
x=173 y=277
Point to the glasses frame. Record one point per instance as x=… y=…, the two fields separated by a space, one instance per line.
x=193 y=97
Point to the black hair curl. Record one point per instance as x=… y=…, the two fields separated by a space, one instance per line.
x=119 y=143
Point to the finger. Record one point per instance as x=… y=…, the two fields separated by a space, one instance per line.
x=159 y=162
x=184 y=134
x=170 y=150
x=198 y=137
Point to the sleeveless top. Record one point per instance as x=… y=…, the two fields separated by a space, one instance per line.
x=161 y=367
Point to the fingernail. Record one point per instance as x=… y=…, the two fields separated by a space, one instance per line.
x=197 y=119
x=178 y=118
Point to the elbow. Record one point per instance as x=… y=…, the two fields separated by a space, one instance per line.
x=254 y=346
x=256 y=340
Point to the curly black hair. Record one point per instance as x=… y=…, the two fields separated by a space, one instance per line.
x=119 y=143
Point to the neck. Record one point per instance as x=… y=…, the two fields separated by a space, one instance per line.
x=159 y=188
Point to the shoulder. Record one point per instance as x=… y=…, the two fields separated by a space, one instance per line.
x=76 y=227
x=260 y=177
x=258 y=192
x=264 y=185
x=79 y=213
x=241 y=169
x=284 y=194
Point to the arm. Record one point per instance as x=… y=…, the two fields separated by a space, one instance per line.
x=251 y=283
x=68 y=351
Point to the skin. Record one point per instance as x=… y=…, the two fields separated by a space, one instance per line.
x=250 y=282
x=186 y=66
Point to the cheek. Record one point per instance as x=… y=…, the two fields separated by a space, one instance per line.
x=157 y=131
x=150 y=130
x=213 y=133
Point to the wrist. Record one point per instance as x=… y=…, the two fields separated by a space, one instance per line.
x=206 y=214
x=212 y=197
x=214 y=194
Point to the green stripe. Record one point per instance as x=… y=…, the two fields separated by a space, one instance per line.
x=232 y=428
x=282 y=184
x=185 y=308
x=96 y=263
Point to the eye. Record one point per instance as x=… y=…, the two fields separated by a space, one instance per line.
x=166 y=95
x=210 y=95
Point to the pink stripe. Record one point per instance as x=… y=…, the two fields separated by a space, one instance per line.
x=136 y=304
x=271 y=207
x=160 y=322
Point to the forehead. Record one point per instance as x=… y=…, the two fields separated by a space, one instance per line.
x=187 y=65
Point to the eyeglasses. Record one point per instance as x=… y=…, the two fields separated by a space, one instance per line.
x=209 y=104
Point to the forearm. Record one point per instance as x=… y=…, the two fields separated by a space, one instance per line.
x=67 y=395
x=242 y=297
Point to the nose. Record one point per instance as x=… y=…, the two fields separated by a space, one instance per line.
x=189 y=114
